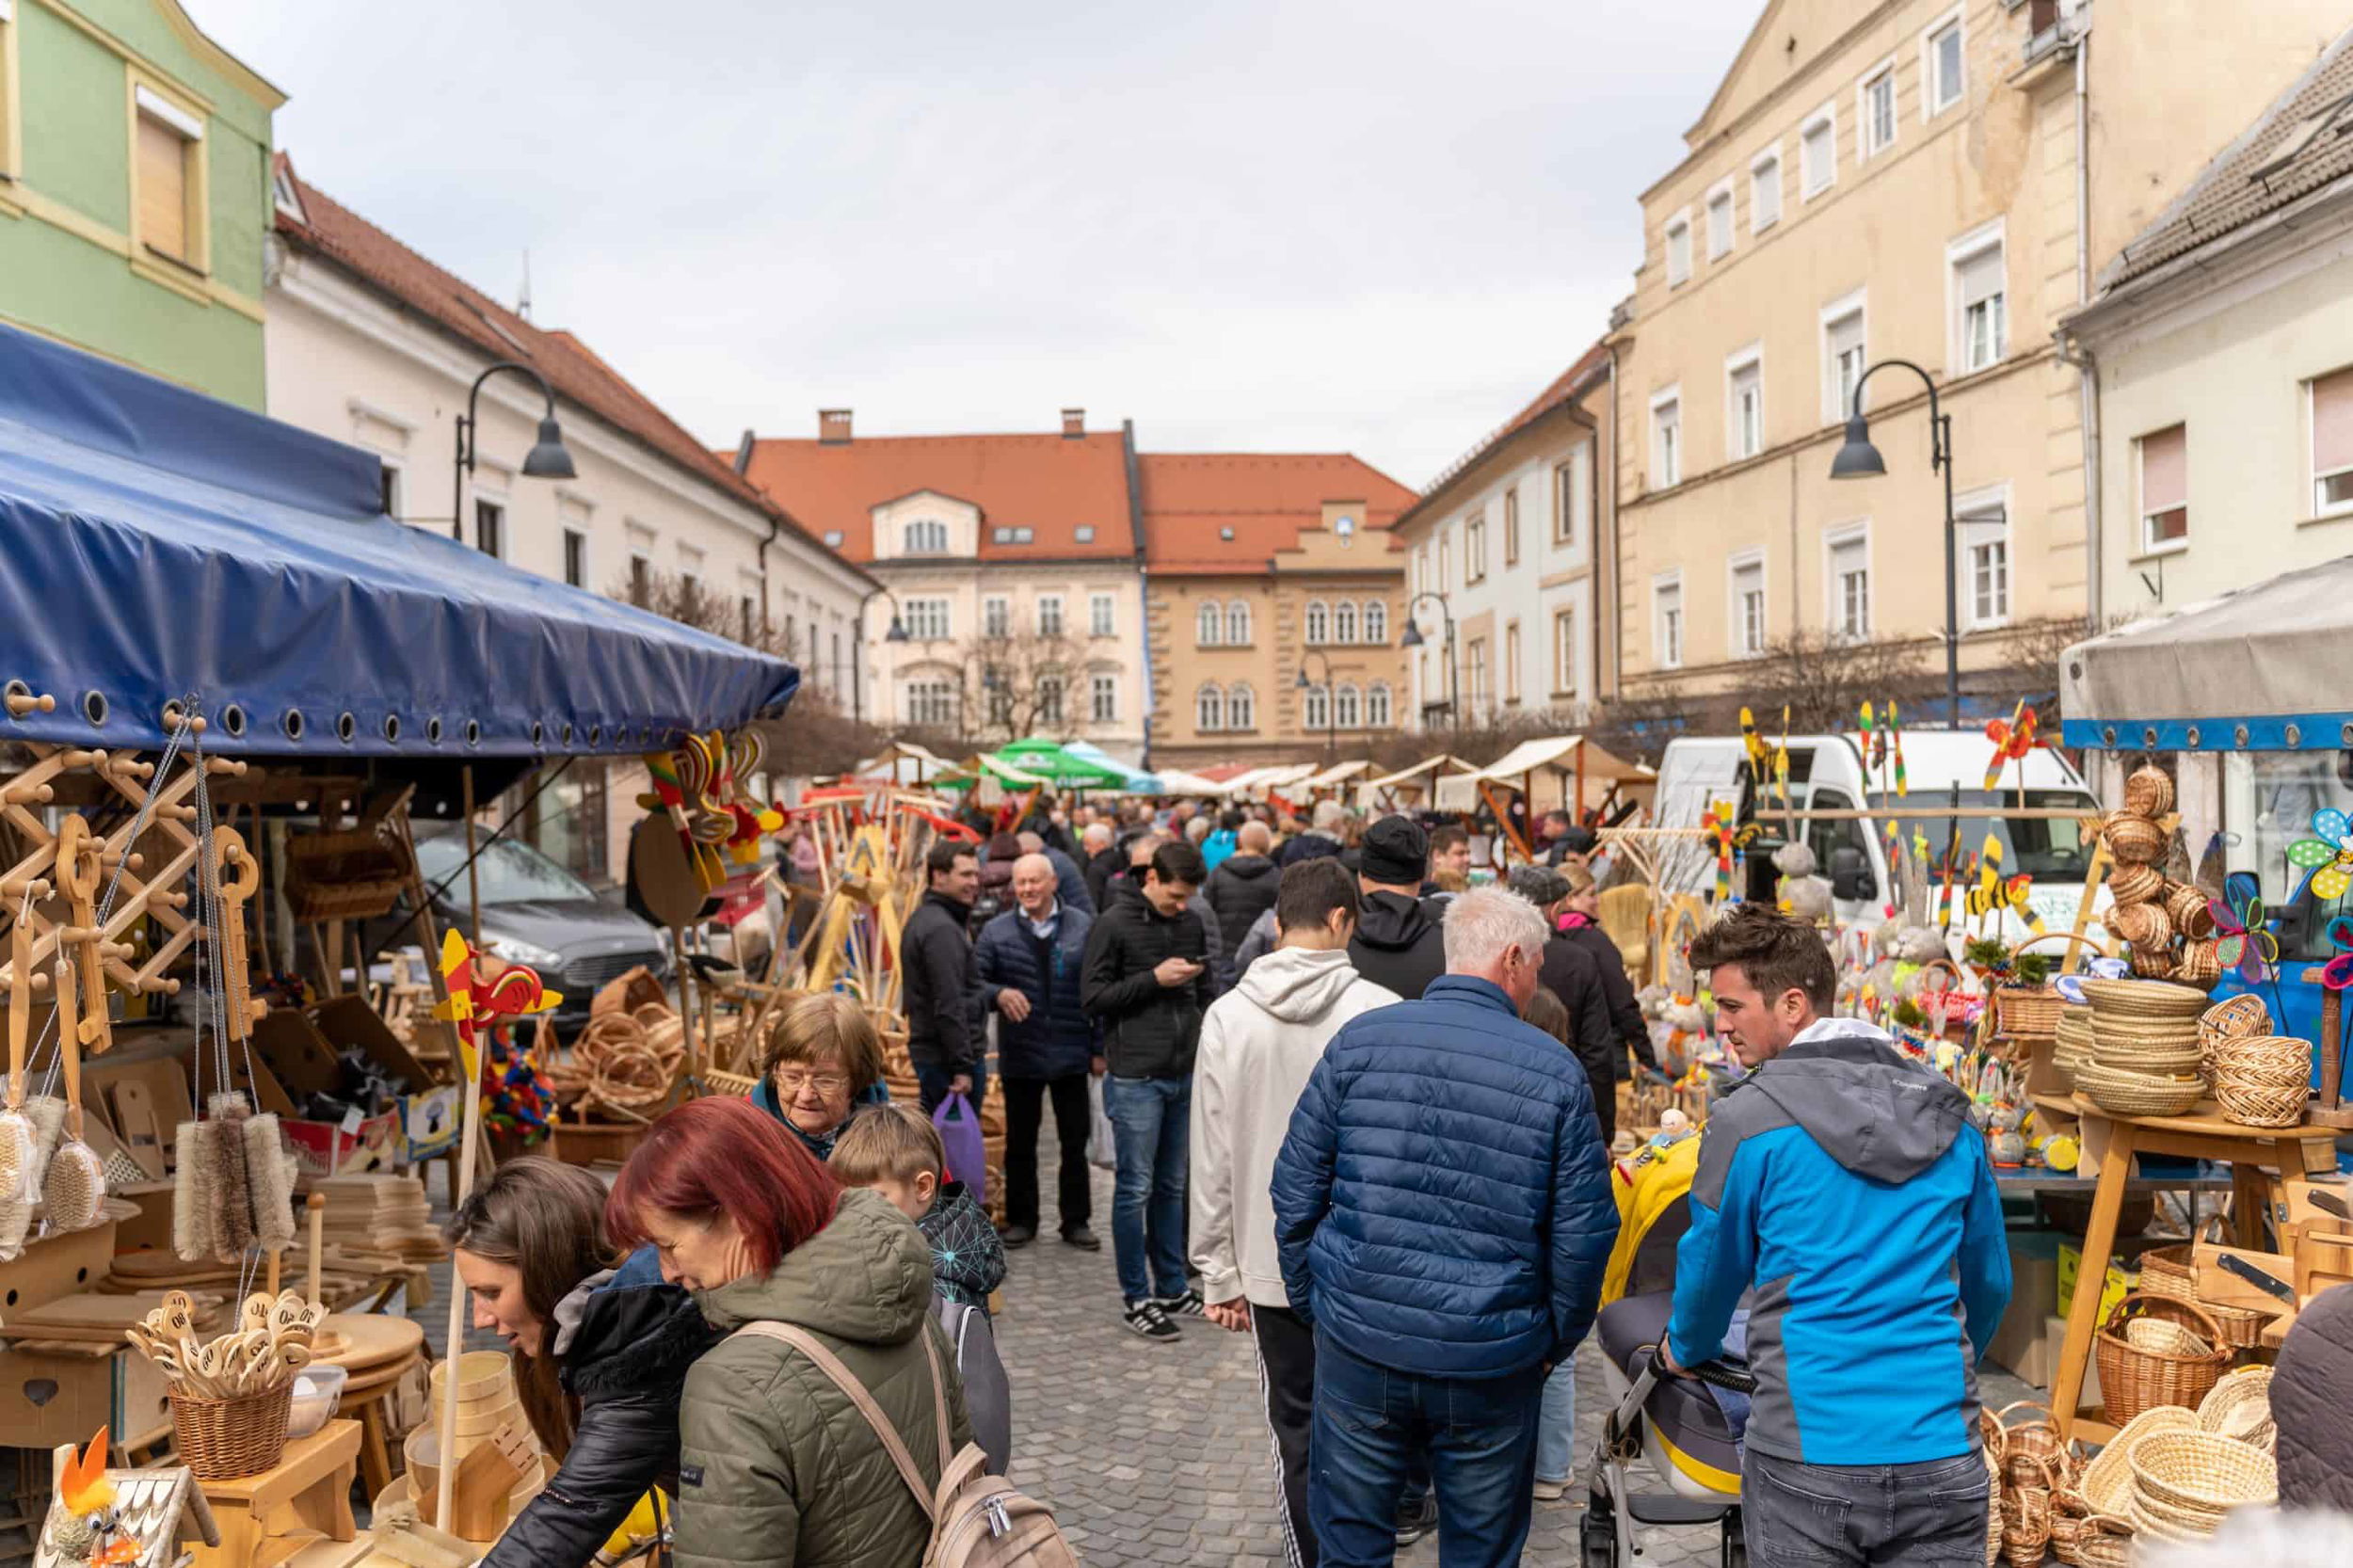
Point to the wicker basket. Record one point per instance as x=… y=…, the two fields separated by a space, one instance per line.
x=2200 y=1472
x=2261 y=1105
x=2262 y=1081
x=2198 y=963
x=2104 y=1541
x=2193 y=916
x=2130 y=1094
x=2132 y=1379
x=2072 y=1043
x=2152 y=963
x=2143 y=925
x=2026 y=1509
x=2134 y=884
x=2240 y=1407
x=229 y=1439
x=1992 y=1502
x=2139 y=998
x=2028 y=1012
x=2148 y=790
x=2106 y=1483
x=2132 y=840
x=2162 y=1336
x=2237 y=1018
x=2168 y=1271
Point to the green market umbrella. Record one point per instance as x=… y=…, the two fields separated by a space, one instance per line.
x=1055 y=762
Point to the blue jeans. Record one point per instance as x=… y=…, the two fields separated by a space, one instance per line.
x=933 y=1083
x=1150 y=1120
x=1926 y=1514
x=1480 y=1439
x=1556 y=1427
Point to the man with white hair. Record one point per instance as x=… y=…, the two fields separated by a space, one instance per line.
x=1442 y=1210
x=1070 y=884
x=1102 y=859
x=1323 y=839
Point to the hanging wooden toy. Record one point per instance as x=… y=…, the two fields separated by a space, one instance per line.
x=1717 y=820
x=478 y=1001
x=1896 y=745
x=2011 y=741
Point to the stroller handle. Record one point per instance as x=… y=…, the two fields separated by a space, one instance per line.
x=1713 y=1372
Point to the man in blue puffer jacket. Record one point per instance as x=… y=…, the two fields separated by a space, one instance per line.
x=1848 y=1189
x=1029 y=961
x=1444 y=1214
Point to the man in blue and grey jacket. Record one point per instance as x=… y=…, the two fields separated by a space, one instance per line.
x=1847 y=1187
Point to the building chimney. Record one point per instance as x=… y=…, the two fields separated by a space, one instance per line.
x=744 y=451
x=1074 y=423
x=833 y=426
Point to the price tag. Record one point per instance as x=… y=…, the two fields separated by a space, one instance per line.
x=351 y=1122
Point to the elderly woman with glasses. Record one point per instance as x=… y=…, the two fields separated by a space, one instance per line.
x=823 y=1065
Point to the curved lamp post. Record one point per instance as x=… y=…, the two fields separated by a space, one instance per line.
x=1859 y=459
x=1331 y=710
x=898 y=634
x=546 y=459
x=1412 y=638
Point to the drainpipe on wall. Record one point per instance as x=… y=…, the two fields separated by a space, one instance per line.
x=1144 y=576
x=2069 y=353
x=1617 y=638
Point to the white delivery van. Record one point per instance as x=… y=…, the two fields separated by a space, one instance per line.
x=1940 y=768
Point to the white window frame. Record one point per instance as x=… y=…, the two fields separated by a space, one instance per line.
x=398 y=467
x=1054 y=709
x=1666 y=476
x=1102 y=615
x=1344 y=623
x=1565 y=673
x=1930 y=107
x=1865 y=148
x=1721 y=191
x=1826 y=115
x=1858 y=305
x=1834 y=598
x=1475 y=547
x=1379 y=706
x=1736 y=449
x=1663 y=655
x=1316 y=623
x=1984 y=499
x=916 y=626
x=996 y=615
x=2140 y=507
x=1238 y=617
x=1376 y=622
x=1680 y=222
x=1757 y=222
x=1060 y=616
x=1209 y=709
x=1348 y=705
x=1512 y=663
x=1736 y=629
x=1315 y=708
x=931 y=528
x=568 y=533
x=1242 y=707
x=1968 y=248
x=2311 y=449
x=930 y=685
x=1209 y=624
x=1573 y=501
x=1102 y=698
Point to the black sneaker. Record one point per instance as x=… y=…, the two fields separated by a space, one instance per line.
x=1017 y=1235
x=1082 y=1239
x=1145 y=1318
x=1416 y=1518
x=1186 y=1305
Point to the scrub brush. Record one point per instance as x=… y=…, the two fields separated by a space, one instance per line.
x=195 y=1231
x=231 y=1195
x=20 y=1140
x=270 y=1180
x=74 y=1189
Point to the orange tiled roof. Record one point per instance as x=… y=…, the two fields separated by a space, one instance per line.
x=1052 y=485
x=1192 y=501
x=578 y=375
x=1570 y=385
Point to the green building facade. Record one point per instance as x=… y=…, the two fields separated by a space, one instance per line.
x=135 y=189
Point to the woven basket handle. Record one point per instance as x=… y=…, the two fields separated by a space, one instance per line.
x=2072 y=938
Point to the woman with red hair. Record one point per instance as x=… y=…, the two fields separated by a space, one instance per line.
x=775 y=1465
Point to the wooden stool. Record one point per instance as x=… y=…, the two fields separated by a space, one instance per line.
x=266 y=1518
x=369 y=1403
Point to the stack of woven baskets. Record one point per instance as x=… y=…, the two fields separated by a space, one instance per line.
x=2145 y=1049
x=2167 y=1272
x=2073 y=1042
x=2167 y=924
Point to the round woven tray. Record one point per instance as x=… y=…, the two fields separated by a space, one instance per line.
x=2202 y=1472
x=2240 y=1407
x=2107 y=1482
x=2143 y=999
x=2134 y=884
x=2156 y=1061
x=229 y=1439
x=2130 y=1094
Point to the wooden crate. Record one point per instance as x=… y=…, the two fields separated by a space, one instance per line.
x=53 y=1396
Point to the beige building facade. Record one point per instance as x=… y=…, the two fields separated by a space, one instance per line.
x=1913 y=180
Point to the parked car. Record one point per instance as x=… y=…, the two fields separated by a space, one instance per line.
x=534 y=912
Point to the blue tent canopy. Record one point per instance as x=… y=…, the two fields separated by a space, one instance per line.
x=155 y=543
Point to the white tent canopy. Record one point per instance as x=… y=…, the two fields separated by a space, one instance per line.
x=1176 y=781
x=1335 y=775
x=1371 y=791
x=905 y=762
x=1551 y=770
x=2263 y=659
x=1281 y=776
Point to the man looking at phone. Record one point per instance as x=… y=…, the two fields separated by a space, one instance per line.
x=1146 y=978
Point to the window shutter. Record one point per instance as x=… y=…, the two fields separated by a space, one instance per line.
x=163 y=188
x=2165 y=471
x=1980 y=277
x=2332 y=421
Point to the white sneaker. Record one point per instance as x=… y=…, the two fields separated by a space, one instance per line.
x=1553 y=1491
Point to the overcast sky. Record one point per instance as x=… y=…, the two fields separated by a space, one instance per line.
x=1364 y=225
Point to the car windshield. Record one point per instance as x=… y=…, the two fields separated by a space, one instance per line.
x=510 y=872
x=2049 y=849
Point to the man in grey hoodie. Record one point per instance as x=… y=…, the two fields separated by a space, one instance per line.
x=1259 y=1043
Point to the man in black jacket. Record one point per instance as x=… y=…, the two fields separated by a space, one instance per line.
x=1398 y=942
x=1102 y=861
x=945 y=1039
x=1570 y=973
x=1147 y=978
x=1244 y=886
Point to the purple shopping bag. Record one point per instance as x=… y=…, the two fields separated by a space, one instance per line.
x=959 y=1127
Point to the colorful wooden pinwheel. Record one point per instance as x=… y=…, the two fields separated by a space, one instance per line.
x=1717 y=820
x=478 y=1001
x=1874 y=741
x=1760 y=755
x=2011 y=741
x=752 y=821
x=2245 y=942
x=1994 y=892
x=1896 y=745
x=2328 y=854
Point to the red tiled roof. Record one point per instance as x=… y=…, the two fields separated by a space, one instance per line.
x=1567 y=387
x=1192 y=500
x=578 y=375
x=1052 y=485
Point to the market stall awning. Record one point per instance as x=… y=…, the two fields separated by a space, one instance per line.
x=1176 y=781
x=903 y=762
x=1337 y=774
x=2254 y=670
x=1061 y=766
x=1416 y=776
x=155 y=543
x=1554 y=756
x=1282 y=775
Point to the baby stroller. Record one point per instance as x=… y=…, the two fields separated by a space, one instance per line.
x=1672 y=1424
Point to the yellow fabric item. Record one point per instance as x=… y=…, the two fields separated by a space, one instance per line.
x=1646 y=1185
x=636 y=1530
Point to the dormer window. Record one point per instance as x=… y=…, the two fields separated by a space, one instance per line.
x=927 y=536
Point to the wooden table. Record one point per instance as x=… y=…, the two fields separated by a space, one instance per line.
x=266 y=1519
x=2297 y=1153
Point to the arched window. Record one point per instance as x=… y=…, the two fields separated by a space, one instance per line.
x=1319 y=708
x=1377 y=706
x=1241 y=709
x=1318 y=622
x=1208 y=624
x=1344 y=621
x=1209 y=709
x=1350 y=704
x=1238 y=623
x=927 y=536
x=1376 y=620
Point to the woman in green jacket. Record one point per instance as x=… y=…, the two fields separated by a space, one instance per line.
x=775 y=1465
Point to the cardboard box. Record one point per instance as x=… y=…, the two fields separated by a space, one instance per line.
x=2071 y=1264
x=2034 y=1283
x=430 y=1123
x=348 y=1147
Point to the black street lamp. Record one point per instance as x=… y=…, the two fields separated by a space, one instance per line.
x=1859 y=459
x=898 y=634
x=546 y=459
x=1331 y=709
x=1412 y=638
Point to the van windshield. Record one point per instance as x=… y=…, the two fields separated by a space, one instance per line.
x=2049 y=849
